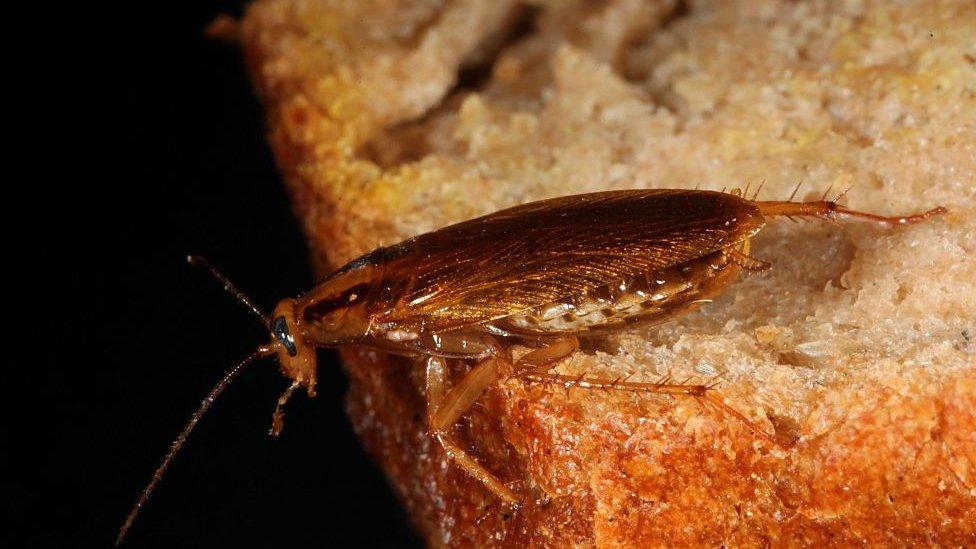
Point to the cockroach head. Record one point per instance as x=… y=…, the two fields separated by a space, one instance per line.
x=295 y=354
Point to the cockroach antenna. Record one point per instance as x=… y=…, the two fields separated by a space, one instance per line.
x=174 y=448
x=198 y=261
x=261 y=352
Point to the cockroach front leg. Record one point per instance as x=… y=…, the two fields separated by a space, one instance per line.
x=445 y=406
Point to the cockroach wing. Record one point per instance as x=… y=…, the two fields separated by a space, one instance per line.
x=522 y=257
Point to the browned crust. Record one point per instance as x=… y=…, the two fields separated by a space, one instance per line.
x=660 y=482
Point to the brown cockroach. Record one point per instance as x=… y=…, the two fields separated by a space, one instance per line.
x=542 y=274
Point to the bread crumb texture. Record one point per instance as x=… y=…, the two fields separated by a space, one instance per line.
x=390 y=118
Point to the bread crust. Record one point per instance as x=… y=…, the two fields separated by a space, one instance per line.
x=858 y=350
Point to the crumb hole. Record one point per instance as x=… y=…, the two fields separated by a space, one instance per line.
x=785 y=428
x=876 y=181
x=902 y=292
x=799 y=359
x=407 y=141
x=600 y=343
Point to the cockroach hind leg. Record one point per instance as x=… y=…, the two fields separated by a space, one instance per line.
x=543 y=358
x=712 y=399
x=477 y=471
x=827 y=192
x=795 y=190
x=841 y=211
x=843 y=193
x=831 y=211
x=748 y=262
x=705 y=393
x=445 y=406
x=663 y=386
x=755 y=195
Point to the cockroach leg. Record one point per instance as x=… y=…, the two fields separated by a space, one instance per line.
x=711 y=398
x=664 y=387
x=278 y=417
x=542 y=359
x=755 y=195
x=843 y=193
x=435 y=385
x=827 y=192
x=463 y=345
x=461 y=396
x=747 y=262
x=703 y=393
x=444 y=407
x=795 y=189
x=830 y=210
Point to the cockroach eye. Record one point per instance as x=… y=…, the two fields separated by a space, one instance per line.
x=280 y=330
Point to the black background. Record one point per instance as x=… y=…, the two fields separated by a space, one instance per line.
x=176 y=162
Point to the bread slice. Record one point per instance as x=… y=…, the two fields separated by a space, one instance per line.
x=390 y=118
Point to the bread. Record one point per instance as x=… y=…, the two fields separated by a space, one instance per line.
x=390 y=118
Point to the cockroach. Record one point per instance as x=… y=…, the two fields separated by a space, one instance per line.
x=542 y=274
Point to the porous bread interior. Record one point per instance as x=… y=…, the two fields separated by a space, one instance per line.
x=378 y=145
